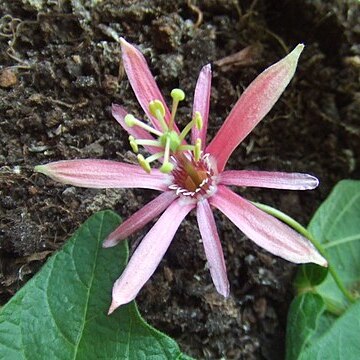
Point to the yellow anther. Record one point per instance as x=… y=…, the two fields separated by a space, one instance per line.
x=197 y=149
x=167 y=168
x=157 y=110
x=143 y=163
x=156 y=107
x=177 y=95
x=133 y=144
x=130 y=120
x=198 y=120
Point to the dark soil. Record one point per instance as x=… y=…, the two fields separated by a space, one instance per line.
x=60 y=71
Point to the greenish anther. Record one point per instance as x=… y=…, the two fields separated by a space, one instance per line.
x=157 y=110
x=133 y=144
x=177 y=96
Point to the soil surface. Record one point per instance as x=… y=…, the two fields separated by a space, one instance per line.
x=60 y=71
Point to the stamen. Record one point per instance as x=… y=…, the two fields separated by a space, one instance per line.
x=186 y=130
x=154 y=157
x=144 y=164
x=157 y=110
x=148 y=142
x=131 y=121
x=177 y=96
x=170 y=141
x=198 y=120
x=197 y=149
x=133 y=144
x=167 y=166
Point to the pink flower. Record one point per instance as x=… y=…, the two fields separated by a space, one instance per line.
x=192 y=176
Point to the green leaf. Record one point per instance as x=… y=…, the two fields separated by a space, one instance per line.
x=312 y=333
x=303 y=321
x=62 y=312
x=336 y=224
x=310 y=275
x=321 y=322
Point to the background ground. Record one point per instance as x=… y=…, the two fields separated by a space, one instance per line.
x=60 y=71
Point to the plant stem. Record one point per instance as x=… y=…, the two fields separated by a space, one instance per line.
x=303 y=231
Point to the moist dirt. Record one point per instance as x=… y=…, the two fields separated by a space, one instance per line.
x=60 y=71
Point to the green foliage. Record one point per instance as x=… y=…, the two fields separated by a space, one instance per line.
x=322 y=323
x=62 y=312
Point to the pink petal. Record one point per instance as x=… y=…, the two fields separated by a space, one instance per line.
x=148 y=254
x=119 y=114
x=138 y=220
x=202 y=103
x=253 y=105
x=103 y=174
x=265 y=230
x=212 y=246
x=141 y=80
x=269 y=179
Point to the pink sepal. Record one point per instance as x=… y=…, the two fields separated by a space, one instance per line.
x=265 y=230
x=103 y=174
x=202 y=104
x=269 y=179
x=212 y=247
x=255 y=102
x=148 y=254
x=142 y=81
x=139 y=219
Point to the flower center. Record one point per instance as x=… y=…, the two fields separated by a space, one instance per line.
x=194 y=175
x=194 y=178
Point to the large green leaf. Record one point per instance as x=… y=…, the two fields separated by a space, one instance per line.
x=336 y=225
x=303 y=322
x=62 y=312
x=322 y=324
x=313 y=333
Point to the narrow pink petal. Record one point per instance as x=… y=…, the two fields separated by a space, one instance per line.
x=138 y=220
x=265 y=230
x=253 y=105
x=148 y=254
x=202 y=103
x=119 y=114
x=269 y=179
x=141 y=80
x=103 y=174
x=212 y=246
